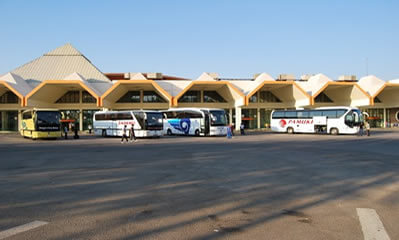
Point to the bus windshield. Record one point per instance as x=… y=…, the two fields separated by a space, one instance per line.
x=154 y=121
x=218 y=118
x=48 y=120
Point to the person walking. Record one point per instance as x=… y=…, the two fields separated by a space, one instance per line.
x=132 y=134
x=124 y=136
x=367 y=126
x=242 y=127
x=90 y=127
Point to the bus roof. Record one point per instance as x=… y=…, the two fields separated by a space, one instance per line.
x=193 y=109
x=156 y=111
x=41 y=109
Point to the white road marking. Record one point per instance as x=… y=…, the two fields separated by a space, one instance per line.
x=23 y=228
x=372 y=227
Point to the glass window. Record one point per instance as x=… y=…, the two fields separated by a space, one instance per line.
x=313 y=113
x=213 y=96
x=303 y=114
x=88 y=118
x=152 y=97
x=330 y=113
x=8 y=120
x=123 y=116
x=8 y=97
x=140 y=118
x=154 y=121
x=267 y=96
x=27 y=115
x=192 y=114
x=290 y=114
x=278 y=115
x=130 y=97
x=218 y=118
x=340 y=112
x=88 y=98
x=170 y=114
x=69 y=97
x=191 y=96
x=323 y=98
x=253 y=99
x=48 y=120
x=265 y=118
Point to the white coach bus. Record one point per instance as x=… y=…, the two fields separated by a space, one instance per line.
x=332 y=120
x=147 y=123
x=195 y=121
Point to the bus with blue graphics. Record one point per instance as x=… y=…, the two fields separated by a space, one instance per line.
x=195 y=122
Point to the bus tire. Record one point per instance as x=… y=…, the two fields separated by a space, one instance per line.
x=169 y=132
x=290 y=130
x=197 y=133
x=104 y=133
x=334 y=131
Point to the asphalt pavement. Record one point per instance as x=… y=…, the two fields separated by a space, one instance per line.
x=260 y=186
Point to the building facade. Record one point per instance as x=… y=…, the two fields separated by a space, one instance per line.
x=65 y=79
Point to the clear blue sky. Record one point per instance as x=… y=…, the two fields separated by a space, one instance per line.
x=186 y=38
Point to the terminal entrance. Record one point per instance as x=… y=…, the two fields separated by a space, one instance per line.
x=8 y=120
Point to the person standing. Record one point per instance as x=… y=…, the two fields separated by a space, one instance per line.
x=242 y=127
x=65 y=131
x=90 y=127
x=232 y=129
x=124 y=136
x=132 y=134
x=367 y=126
x=361 y=129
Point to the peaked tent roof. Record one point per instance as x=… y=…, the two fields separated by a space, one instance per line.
x=371 y=84
x=314 y=84
x=17 y=83
x=138 y=76
x=58 y=64
x=205 y=77
x=77 y=76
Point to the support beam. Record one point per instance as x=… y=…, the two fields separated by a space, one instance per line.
x=230 y=115
x=385 y=118
x=238 y=118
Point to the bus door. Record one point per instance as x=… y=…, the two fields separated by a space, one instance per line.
x=207 y=127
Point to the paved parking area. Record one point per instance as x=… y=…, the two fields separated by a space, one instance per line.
x=263 y=186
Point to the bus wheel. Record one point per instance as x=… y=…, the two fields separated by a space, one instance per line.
x=104 y=133
x=169 y=132
x=334 y=131
x=197 y=133
x=290 y=130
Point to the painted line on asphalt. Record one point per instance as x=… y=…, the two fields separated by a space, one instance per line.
x=22 y=228
x=372 y=227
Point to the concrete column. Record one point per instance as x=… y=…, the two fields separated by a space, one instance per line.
x=258 y=117
x=230 y=115
x=238 y=118
x=19 y=120
x=81 y=119
x=202 y=96
x=385 y=118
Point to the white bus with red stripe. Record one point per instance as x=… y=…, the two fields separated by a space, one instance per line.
x=146 y=123
x=332 y=120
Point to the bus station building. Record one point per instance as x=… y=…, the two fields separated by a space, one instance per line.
x=65 y=79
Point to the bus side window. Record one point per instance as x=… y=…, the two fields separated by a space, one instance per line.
x=278 y=115
x=27 y=115
x=291 y=114
x=314 y=113
x=303 y=114
x=181 y=115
